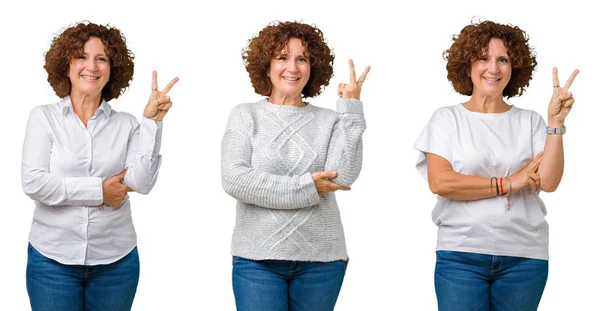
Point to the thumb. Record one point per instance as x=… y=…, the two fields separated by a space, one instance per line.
x=330 y=174
x=121 y=175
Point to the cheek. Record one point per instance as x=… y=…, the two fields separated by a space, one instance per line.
x=107 y=70
x=476 y=69
x=72 y=68
x=507 y=71
x=306 y=70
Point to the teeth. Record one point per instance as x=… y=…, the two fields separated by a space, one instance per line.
x=492 y=79
x=291 y=79
x=90 y=77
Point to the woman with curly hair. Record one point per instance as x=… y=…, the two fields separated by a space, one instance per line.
x=282 y=160
x=483 y=158
x=80 y=158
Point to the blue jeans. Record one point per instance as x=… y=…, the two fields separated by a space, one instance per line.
x=478 y=282
x=282 y=285
x=53 y=286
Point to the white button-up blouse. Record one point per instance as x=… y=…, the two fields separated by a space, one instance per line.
x=63 y=167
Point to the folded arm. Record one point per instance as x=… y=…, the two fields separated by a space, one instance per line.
x=39 y=184
x=249 y=185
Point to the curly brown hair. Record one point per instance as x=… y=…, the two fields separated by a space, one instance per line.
x=69 y=45
x=473 y=39
x=272 y=39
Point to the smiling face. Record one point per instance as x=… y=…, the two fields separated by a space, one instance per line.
x=491 y=73
x=289 y=72
x=90 y=71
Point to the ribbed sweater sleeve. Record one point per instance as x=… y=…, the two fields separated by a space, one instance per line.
x=345 y=148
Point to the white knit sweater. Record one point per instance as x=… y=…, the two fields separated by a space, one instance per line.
x=268 y=155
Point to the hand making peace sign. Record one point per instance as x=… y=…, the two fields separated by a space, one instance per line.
x=352 y=90
x=159 y=103
x=562 y=100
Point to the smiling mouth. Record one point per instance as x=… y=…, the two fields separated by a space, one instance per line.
x=90 y=78
x=291 y=79
x=491 y=79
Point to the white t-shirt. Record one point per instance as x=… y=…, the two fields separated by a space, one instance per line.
x=487 y=145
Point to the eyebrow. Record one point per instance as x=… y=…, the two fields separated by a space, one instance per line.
x=102 y=54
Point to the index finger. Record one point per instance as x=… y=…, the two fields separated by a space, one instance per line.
x=537 y=159
x=571 y=78
x=154 y=80
x=352 y=72
x=555 y=82
x=363 y=76
x=170 y=85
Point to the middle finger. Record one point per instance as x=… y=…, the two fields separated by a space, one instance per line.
x=352 y=72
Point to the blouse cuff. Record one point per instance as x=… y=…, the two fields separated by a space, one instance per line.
x=84 y=190
x=150 y=136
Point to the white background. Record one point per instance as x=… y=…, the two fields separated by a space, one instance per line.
x=184 y=226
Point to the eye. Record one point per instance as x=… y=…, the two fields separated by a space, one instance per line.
x=281 y=57
x=503 y=60
x=302 y=59
x=81 y=57
x=483 y=58
x=102 y=59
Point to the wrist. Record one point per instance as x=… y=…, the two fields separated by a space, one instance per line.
x=550 y=130
x=516 y=183
x=555 y=123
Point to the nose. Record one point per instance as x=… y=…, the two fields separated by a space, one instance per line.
x=292 y=66
x=92 y=64
x=494 y=68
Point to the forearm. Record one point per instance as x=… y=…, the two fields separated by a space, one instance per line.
x=552 y=166
x=53 y=190
x=143 y=157
x=268 y=190
x=459 y=187
x=345 y=149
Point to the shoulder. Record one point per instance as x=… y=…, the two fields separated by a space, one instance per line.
x=445 y=113
x=526 y=114
x=324 y=111
x=244 y=115
x=245 y=109
x=123 y=117
x=46 y=112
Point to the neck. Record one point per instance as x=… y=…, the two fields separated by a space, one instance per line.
x=85 y=106
x=486 y=104
x=286 y=100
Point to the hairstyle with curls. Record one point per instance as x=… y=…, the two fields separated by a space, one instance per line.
x=473 y=39
x=69 y=45
x=272 y=39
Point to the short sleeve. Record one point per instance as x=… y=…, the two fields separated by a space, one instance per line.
x=538 y=133
x=436 y=138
